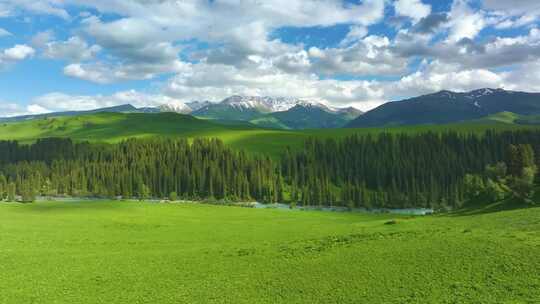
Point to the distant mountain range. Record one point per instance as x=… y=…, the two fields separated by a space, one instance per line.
x=308 y=116
x=280 y=112
x=448 y=107
x=293 y=113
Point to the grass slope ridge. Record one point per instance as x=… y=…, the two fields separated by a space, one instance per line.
x=510 y=118
x=112 y=252
x=115 y=127
x=112 y=127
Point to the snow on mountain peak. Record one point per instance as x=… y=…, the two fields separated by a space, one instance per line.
x=472 y=95
x=175 y=106
x=244 y=102
x=481 y=92
x=315 y=104
x=266 y=103
x=196 y=105
x=446 y=94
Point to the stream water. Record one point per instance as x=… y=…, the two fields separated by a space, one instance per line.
x=407 y=211
x=257 y=205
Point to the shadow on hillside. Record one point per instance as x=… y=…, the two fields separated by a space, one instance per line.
x=112 y=126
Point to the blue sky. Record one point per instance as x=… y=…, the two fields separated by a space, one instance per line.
x=78 y=54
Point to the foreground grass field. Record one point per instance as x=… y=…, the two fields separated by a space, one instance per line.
x=114 y=127
x=127 y=252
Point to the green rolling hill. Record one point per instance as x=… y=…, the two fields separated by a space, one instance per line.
x=510 y=118
x=111 y=127
x=501 y=117
x=115 y=127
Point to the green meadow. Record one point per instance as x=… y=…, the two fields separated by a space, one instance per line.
x=142 y=252
x=131 y=252
x=115 y=127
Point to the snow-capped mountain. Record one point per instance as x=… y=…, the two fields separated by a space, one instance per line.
x=280 y=104
x=196 y=105
x=263 y=103
x=483 y=92
x=175 y=106
x=283 y=112
x=448 y=107
x=449 y=95
x=316 y=104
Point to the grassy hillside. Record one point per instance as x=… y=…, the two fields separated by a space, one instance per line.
x=502 y=117
x=270 y=122
x=511 y=118
x=114 y=127
x=113 y=252
x=111 y=127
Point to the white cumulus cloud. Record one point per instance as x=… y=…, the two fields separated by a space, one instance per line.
x=14 y=54
x=464 y=21
x=414 y=9
x=74 y=49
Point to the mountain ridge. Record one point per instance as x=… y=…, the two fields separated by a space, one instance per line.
x=279 y=112
x=449 y=107
x=237 y=108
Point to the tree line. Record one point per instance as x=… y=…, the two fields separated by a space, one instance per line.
x=161 y=168
x=400 y=170
x=371 y=171
x=516 y=177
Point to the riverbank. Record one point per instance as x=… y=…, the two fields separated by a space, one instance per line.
x=257 y=205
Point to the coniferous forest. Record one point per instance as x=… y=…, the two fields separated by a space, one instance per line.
x=371 y=171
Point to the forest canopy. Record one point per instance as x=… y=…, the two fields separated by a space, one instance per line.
x=370 y=171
